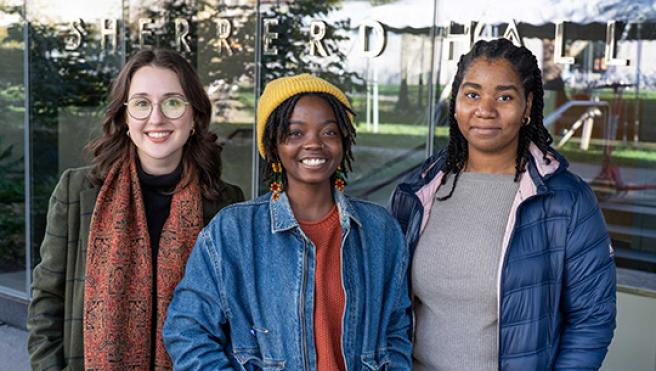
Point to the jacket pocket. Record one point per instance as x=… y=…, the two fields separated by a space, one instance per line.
x=375 y=361
x=252 y=360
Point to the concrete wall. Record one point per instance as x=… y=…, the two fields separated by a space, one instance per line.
x=634 y=345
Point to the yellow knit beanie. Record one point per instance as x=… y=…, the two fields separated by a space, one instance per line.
x=279 y=90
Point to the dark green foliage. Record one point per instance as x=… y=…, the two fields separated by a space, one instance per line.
x=293 y=50
x=12 y=211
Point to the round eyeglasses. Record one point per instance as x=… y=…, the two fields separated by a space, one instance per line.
x=140 y=108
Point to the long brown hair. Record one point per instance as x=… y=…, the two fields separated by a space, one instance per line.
x=201 y=156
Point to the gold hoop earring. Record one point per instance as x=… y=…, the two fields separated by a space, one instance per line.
x=127 y=132
x=526 y=121
x=193 y=131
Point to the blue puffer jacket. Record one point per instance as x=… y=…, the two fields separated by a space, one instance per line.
x=556 y=280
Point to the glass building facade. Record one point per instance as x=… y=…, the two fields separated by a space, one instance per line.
x=395 y=59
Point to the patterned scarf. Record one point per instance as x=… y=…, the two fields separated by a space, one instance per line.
x=118 y=292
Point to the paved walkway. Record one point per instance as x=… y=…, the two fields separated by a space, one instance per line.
x=13 y=349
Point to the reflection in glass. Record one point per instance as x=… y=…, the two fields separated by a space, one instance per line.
x=226 y=65
x=389 y=91
x=598 y=109
x=68 y=88
x=602 y=113
x=12 y=180
x=218 y=39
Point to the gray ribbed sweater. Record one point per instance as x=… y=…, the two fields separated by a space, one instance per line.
x=454 y=273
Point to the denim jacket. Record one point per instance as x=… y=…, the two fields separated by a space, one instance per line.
x=246 y=300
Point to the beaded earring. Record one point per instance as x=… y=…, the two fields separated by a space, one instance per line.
x=277 y=182
x=340 y=179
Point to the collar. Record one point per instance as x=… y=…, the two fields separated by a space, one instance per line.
x=433 y=165
x=282 y=216
x=545 y=169
x=163 y=183
x=543 y=166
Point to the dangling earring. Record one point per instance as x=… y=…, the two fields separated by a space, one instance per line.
x=526 y=120
x=340 y=179
x=277 y=184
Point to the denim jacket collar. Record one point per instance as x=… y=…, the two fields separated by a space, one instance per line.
x=282 y=216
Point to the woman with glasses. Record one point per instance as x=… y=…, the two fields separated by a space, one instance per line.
x=119 y=232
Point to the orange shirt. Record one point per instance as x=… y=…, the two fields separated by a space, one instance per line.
x=329 y=295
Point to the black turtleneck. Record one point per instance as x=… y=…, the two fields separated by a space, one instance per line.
x=156 y=191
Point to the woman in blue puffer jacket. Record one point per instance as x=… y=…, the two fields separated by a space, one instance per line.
x=512 y=265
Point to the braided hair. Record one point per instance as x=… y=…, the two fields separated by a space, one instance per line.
x=276 y=130
x=526 y=66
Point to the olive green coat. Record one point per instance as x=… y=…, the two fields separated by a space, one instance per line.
x=56 y=310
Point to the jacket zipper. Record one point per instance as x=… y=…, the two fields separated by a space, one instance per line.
x=503 y=262
x=303 y=324
x=341 y=271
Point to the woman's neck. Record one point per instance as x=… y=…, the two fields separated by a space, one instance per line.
x=155 y=166
x=310 y=202
x=494 y=163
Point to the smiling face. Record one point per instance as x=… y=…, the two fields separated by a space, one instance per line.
x=159 y=140
x=490 y=106
x=313 y=148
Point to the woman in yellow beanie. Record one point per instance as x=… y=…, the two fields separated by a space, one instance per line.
x=304 y=277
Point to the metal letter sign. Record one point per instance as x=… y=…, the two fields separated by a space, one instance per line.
x=223 y=33
x=373 y=37
x=76 y=37
x=611 y=42
x=451 y=38
x=369 y=28
x=512 y=34
x=317 y=33
x=181 y=32
x=559 y=48
x=109 y=28
x=269 y=36
x=144 y=29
